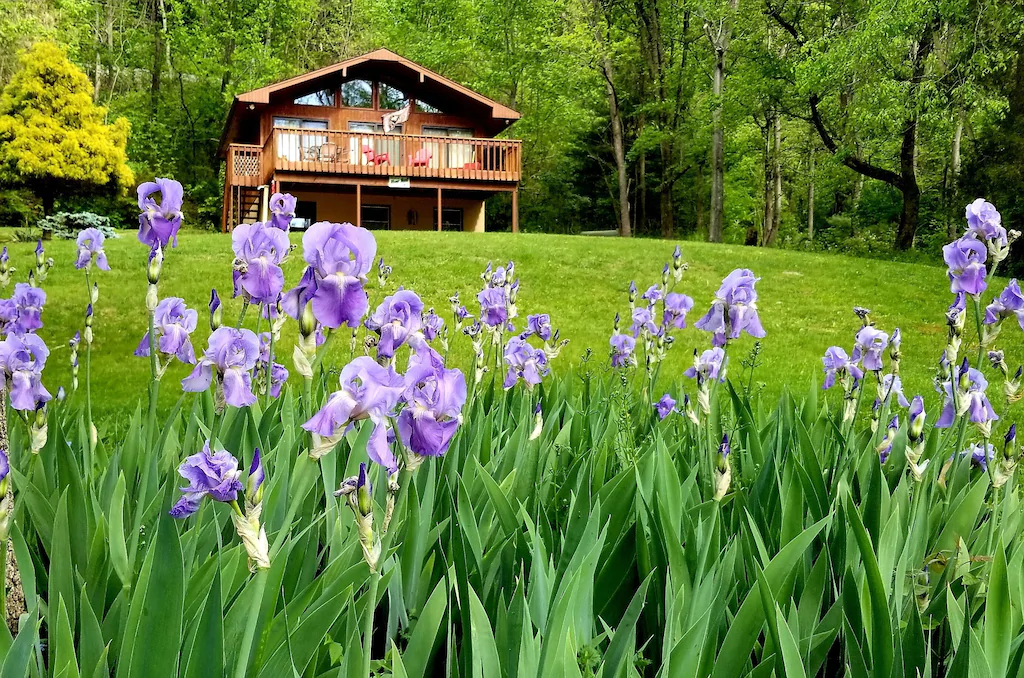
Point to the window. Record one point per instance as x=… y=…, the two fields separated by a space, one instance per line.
x=451 y=218
x=380 y=145
x=357 y=93
x=456 y=155
x=391 y=98
x=305 y=215
x=376 y=217
x=324 y=97
x=424 y=107
x=298 y=146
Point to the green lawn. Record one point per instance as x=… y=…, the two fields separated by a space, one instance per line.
x=805 y=300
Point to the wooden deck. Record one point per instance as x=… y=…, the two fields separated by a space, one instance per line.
x=365 y=154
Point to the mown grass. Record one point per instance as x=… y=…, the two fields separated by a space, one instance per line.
x=805 y=301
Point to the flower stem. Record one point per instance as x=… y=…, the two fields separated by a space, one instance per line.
x=270 y=370
x=260 y=583
x=88 y=381
x=371 y=606
x=241 y=316
x=977 y=321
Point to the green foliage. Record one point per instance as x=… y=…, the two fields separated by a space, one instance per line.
x=66 y=225
x=53 y=138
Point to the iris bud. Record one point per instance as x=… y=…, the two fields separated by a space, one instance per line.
x=216 y=312
x=156 y=262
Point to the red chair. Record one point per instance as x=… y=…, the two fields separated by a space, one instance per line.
x=421 y=158
x=374 y=158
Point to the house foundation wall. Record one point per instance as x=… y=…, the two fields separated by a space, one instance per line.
x=407 y=212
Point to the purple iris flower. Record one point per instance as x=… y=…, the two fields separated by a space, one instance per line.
x=1009 y=302
x=212 y=474
x=432 y=325
x=892 y=385
x=28 y=302
x=159 y=222
x=340 y=255
x=868 y=347
x=8 y=317
x=665 y=406
x=653 y=294
x=978 y=406
x=539 y=325
x=462 y=313
x=231 y=353
x=642 y=320
x=725 y=448
x=984 y=222
x=623 y=347
x=493 y=306
x=294 y=300
x=260 y=248
x=980 y=454
x=524 y=362
x=734 y=309
x=965 y=259
x=398 y=316
x=676 y=307
x=173 y=323
x=707 y=366
x=368 y=391
x=90 y=245
x=282 y=210
x=434 y=399
x=836 y=362
x=5 y=464
x=22 y=359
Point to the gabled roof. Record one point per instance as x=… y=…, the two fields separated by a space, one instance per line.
x=263 y=94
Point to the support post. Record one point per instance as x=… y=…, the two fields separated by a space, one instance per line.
x=439 y=208
x=359 y=205
x=515 y=209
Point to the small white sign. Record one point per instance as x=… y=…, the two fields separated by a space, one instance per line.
x=398 y=182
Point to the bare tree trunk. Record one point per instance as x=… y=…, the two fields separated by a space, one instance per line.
x=719 y=39
x=618 y=148
x=158 y=60
x=700 y=200
x=777 y=174
x=641 y=190
x=810 y=199
x=717 y=151
x=768 y=215
x=954 y=184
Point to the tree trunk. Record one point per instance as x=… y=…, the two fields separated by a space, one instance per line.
x=952 y=191
x=768 y=215
x=810 y=200
x=618 y=148
x=158 y=60
x=908 y=150
x=700 y=200
x=777 y=171
x=717 y=151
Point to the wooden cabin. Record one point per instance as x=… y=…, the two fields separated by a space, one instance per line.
x=320 y=136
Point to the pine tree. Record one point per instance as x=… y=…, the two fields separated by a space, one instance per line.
x=53 y=139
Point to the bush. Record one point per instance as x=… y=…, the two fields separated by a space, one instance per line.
x=67 y=225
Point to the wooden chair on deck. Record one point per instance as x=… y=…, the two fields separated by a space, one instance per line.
x=421 y=158
x=373 y=158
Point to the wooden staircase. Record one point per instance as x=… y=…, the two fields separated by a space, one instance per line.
x=242 y=206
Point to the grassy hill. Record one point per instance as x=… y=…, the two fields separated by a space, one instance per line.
x=805 y=300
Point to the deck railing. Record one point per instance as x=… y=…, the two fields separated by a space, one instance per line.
x=400 y=155
x=245 y=165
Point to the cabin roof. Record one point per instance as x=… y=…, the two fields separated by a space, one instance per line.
x=385 y=56
x=417 y=81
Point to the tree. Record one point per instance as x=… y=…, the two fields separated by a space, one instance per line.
x=53 y=139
